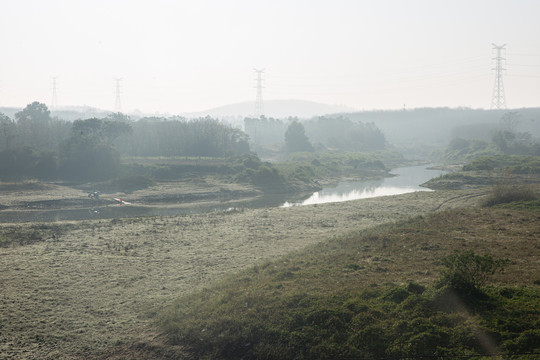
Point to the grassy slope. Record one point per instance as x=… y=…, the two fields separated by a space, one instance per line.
x=370 y=295
x=76 y=290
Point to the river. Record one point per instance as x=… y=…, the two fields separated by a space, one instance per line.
x=407 y=179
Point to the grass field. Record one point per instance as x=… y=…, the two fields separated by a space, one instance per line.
x=377 y=294
x=85 y=289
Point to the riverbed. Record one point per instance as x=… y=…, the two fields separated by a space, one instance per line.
x=61 y=204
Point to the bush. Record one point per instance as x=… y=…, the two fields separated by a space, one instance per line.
x=21 y=163
x=503 y=194
x=515 y=164
x=467 y=272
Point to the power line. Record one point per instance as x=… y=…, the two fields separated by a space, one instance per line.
x=498 y=100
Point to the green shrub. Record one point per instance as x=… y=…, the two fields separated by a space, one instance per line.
x=467 y=272
x=516 y=164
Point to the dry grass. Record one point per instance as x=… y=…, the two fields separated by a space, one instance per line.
x=302 y=301
x=93 y=285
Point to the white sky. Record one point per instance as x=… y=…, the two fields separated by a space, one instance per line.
x=180 y=56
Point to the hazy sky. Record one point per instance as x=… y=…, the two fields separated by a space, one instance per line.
x=180 y=56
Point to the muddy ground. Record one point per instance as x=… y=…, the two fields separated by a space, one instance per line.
x=80 y=289
x=34 y=201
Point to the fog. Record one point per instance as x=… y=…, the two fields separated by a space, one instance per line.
x=356 y=196
x=181 y=57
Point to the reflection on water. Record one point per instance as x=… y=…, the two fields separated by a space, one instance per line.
x=407 y=179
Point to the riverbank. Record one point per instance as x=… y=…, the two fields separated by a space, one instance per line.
x=80 y=289
x=36 y=201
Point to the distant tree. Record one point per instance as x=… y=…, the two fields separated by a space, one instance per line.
x=118 y=116
x=33 y=125
x=510 y=121
x=7 y=131
x=100 y=130
x=176 y=136
x=265 y=131
x=296 y=139
x=344 y=134
x=34 y=112
x=89 y=151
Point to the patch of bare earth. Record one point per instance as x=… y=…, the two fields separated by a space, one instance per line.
x=91 y=288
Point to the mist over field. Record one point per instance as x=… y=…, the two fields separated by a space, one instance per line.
x=270 y=180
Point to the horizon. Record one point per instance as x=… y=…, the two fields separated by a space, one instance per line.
x=180 y=57
x=193 y=115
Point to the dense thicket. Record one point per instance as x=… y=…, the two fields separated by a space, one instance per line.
x=339 y=133
x=265 y=131
x=35 y=145
x=344 y=134
x=506 y=138
x=438 y=126
x=179 y=137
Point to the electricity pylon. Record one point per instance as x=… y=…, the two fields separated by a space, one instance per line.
x=117 y=102
x=498 y=100
x=54 y=100
x=259 y=105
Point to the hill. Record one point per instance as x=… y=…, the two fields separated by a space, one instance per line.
x=273 y=108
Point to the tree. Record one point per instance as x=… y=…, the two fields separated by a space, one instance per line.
x=89 y=153
x=7 y=131
x=296 y=139
x=510 y=121
x=99 y=130
x=34 y=112
x=33 y=125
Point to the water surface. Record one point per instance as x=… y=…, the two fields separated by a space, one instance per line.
x=406 y=180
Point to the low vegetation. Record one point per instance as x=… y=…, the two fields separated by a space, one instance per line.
x=376 y=295
x=514 y=164
x=85 y=289
x=327 y=166
x=510 y=193
x=505 y=172
x=475 y=141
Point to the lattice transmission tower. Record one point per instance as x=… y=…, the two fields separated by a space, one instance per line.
x=117 y=102
x=54 y=100
x=259 y=105
x=498 y=100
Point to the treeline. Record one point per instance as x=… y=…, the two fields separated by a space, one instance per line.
x=153 y=136
x=438 y=126
x=339 y=133
x=505 y=139
x=35 y=145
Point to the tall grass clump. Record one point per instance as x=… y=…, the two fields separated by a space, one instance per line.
x=507 y=193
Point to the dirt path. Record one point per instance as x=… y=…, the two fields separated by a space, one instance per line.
x=96 y=284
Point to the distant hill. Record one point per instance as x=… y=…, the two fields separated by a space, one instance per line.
x=9 y=111
x=273 y=108
x=69 y=113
